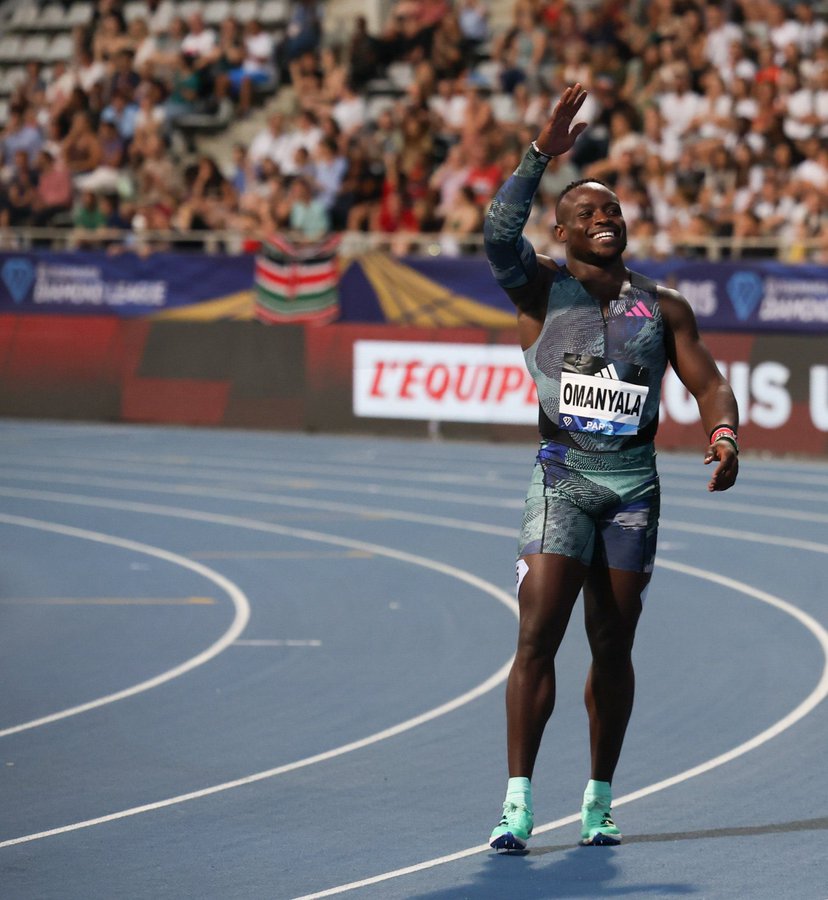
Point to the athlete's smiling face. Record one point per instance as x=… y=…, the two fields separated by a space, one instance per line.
x=591 y=224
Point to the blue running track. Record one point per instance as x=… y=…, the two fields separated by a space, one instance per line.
x=249 y=665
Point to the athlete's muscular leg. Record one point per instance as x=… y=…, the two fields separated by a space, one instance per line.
x=546 y=597
x=612 y=606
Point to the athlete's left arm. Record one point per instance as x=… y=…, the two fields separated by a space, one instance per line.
x=699 y=373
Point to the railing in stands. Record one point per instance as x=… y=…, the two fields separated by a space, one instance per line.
x=400 y=244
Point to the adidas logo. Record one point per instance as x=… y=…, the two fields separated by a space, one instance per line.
x=640 y=311
x=608 y=372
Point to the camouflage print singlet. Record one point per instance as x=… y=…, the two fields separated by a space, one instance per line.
x=599 y=380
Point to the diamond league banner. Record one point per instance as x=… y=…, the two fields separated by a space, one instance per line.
x=740 y=296
x=124 y=285
x=749 y=296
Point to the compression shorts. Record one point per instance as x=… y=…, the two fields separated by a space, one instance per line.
x=600 y=508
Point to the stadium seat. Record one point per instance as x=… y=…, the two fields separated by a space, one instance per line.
x=274 y=12
x=52 y=18
x=246 y=10
x=79 y=14
x=33 y=47
x=13 y=77
x=24 y=17
x=4 y=112
x=135 y=10
x=377 y=104
x=217 y=10
x=503 y=108
x=61 y=48
x=401 y=75
x=9 y=48
x=186 y=8
x=489 y=72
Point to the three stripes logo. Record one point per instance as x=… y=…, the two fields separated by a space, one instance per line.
x=639 y=310
x=608 y=372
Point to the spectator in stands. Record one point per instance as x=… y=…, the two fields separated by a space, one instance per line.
x=199 y=42
x=106 y=176
x=185 y=90
x=31 y=91
x=21 y=191
x=521 y=50
x=123 y=79
x=242 y=173
x=20 y=133
x=142 y=43
x=81 y=148
x=473 y=18
x=110 y=38
x=463 y=219
x=363 y=55
x=308 y=216
x=328 y=172
x=54 y=190
x=484 y=176
x=271 y=142
x=449 y=179
x=156 y=174
x=447 y=54
x=303 y=33
x=88 y=70
x=88 y=219
x=257 y=66
x=122 y=112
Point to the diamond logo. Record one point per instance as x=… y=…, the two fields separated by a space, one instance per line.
x=567 y=420
x=745 y=290
x=18 y=276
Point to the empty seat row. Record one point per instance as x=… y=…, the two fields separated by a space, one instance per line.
x=16 y=49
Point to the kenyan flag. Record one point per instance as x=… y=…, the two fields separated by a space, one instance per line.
x=297 y=282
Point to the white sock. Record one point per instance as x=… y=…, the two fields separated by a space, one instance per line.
x=519 y=792
x=598 y=789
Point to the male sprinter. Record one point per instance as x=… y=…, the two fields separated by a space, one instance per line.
x=596 y=338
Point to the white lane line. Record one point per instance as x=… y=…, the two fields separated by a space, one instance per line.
x=339 y=486
x=483 y=688
x=675 y=495
x=495 y=679
x=241 y=615
x=286 y=642
x=426 y=518
x=479 y=690
x=817 y=695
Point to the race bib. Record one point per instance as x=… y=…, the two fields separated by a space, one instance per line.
x=601 y=396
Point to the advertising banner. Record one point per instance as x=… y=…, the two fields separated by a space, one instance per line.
x=124 y=285
x=748 y=296
x=443 y=382
x=780 y=383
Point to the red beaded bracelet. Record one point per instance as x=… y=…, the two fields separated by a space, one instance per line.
x=725 y=433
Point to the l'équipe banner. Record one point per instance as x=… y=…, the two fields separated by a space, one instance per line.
x=780 y=383
x=124 y=285
x=443 y=382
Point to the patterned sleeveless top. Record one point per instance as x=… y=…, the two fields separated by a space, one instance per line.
x=599 y=379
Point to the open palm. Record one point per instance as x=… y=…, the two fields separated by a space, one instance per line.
x=558 y=135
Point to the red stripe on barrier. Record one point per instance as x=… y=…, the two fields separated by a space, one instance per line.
x=186 y=401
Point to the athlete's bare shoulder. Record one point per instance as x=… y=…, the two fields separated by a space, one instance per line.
x=675 y=308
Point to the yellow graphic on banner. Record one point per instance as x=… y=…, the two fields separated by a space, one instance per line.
x=233 y=306
x=409 y=298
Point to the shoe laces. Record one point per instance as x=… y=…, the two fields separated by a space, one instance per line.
x=509 y=809
x=599 y=806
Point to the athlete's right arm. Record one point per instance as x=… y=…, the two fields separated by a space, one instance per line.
x=511 y=256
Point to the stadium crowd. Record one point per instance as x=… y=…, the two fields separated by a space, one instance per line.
x=708 y=119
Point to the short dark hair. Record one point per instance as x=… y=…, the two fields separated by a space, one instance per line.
x=576 y=184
